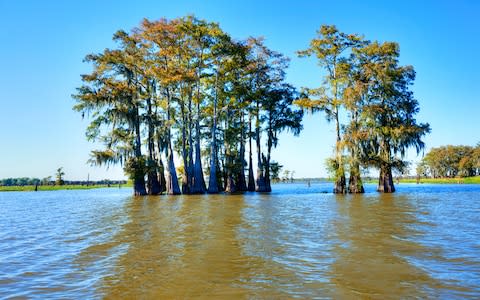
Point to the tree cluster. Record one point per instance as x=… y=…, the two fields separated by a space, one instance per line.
x=183 y=88
x=22 y=181
x=366 y=93
x=451 y=161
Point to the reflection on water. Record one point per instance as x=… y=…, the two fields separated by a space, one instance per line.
x=373 y=239
x=297 y=242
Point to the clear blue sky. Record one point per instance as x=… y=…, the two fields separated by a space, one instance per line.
x=43 y=44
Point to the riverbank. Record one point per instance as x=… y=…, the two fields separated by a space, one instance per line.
x=458 y=180
x=465 y=180
x=31 y=188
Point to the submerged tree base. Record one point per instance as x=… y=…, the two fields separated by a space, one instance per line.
x=355 y=185
x=340 y=185
x=154 y=187
x=261 y=185
x=385 y=180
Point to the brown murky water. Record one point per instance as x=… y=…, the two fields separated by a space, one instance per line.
x=421 y=242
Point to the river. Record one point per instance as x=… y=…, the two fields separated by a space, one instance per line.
x=297 y=242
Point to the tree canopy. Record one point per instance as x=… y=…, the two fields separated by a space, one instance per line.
x=184 y=88
x=451 y=161
x=363 y=79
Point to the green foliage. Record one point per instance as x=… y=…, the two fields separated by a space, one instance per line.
x=445 y=180
x=335 y=168
x=275 y=169
x=31 y=188
x=452 y=161
x=169 y=81
x=19 y=181
x=59 y=176
x=135 y=167
x=364 y=80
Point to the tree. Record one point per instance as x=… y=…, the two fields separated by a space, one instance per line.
x=275 y=169
x=160 y=39
x=388 y=116
x=286 y=175
x=365 y=80
x=46 y=180
x=267 y=69
x=111 y=94
x=59 y=176
x=279 y=116
x=331 y=47
x=452 y=161
x=355 y=96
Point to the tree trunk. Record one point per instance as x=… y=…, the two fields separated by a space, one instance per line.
x=186 y=169
x=213 y=180
x=139 y=186
x=230 y=185
x=251 y=178
x=385 y=179
x=161 y=167
x=172 y=180
x=198 y=180
x=190 y=172
x=340 y=181
x=260 y=183
x=153 y=186
x=340 y=185
x=139 y=177
x=355 y=185
x=269 y=151
x=220 y=172
x=161 y=175
x=241 y=183
x=224 y=169
x=266 y=163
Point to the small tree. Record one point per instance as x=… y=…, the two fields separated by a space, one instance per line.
x=46 y=180
x=275 y=169
x=286 y=175
x=59 y=175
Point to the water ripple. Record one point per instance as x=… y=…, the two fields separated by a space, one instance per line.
x=298 y=242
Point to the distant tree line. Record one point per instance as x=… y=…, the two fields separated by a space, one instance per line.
x=451 y=161
x=24 y=181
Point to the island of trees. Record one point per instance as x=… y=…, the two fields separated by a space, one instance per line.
x=184 y=88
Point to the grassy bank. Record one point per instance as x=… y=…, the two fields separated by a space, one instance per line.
x=31 y=188
x=466 y=180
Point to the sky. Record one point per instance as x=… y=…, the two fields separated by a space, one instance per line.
x=43 y=43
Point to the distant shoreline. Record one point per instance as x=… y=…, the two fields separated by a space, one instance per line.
x=31 y=188
x=40 y=188
x=457 y=180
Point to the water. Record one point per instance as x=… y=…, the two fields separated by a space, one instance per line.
x=298 y=242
